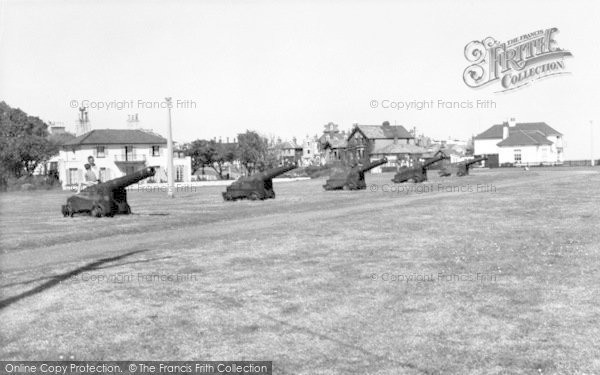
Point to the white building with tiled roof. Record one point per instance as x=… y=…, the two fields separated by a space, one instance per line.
x=117 y=152
x=512 y=143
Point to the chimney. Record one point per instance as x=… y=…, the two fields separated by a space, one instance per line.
x=504 y=131
x=512 y=122
x=227 y=139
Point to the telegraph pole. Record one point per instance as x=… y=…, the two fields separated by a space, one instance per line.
x=169 y=153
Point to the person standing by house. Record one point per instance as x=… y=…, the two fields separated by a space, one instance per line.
x=94 y=167
x=89 y=177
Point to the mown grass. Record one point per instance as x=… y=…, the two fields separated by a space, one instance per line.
x=300 y=280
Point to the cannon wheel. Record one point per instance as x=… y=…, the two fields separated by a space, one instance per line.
x=67 y=210
x=96 y=211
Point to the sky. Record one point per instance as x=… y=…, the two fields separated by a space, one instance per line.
x=286 y=68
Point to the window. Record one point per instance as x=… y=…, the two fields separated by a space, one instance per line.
x=307 y=152
x=100 y=152
x=72 y=177
x=517 y=156
x=102 y=175
x=155 y=150
x=179 y=173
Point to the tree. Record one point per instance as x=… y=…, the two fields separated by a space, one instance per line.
x=24 y=142
x=210 y=153
x=252 y=151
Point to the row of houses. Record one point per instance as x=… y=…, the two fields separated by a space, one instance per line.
x=400 y=146
x=117 y=152
x=506 y=144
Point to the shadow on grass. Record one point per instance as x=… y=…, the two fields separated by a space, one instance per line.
x=64 y=276
x=98 y=268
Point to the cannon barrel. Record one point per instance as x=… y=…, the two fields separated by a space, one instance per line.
x=427 y=163
x=271 y=173
x=373 y=164
x=476 y=160
x=128 y=179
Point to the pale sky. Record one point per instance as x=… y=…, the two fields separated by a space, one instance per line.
x=286 y=68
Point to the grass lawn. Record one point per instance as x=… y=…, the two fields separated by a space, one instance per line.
x=435 y=280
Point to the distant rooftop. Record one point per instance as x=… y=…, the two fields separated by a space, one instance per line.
x=525 y=138
x=495 y=131
x=116 y=136
x=384 y=131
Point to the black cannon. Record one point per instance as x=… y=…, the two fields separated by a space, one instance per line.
x=353 y=178
x=417 y=173
x=460 y=169
x=106 y=198
x=257 y=186
x=463 y=168
x=446 y=171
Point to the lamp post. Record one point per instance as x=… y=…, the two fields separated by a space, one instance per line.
x=169 y=153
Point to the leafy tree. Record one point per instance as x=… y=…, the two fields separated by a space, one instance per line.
x=252 y=151
x=24 y=142
x=210 y=153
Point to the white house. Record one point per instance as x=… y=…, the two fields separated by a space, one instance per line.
x=529 y=143
x=118 y=152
